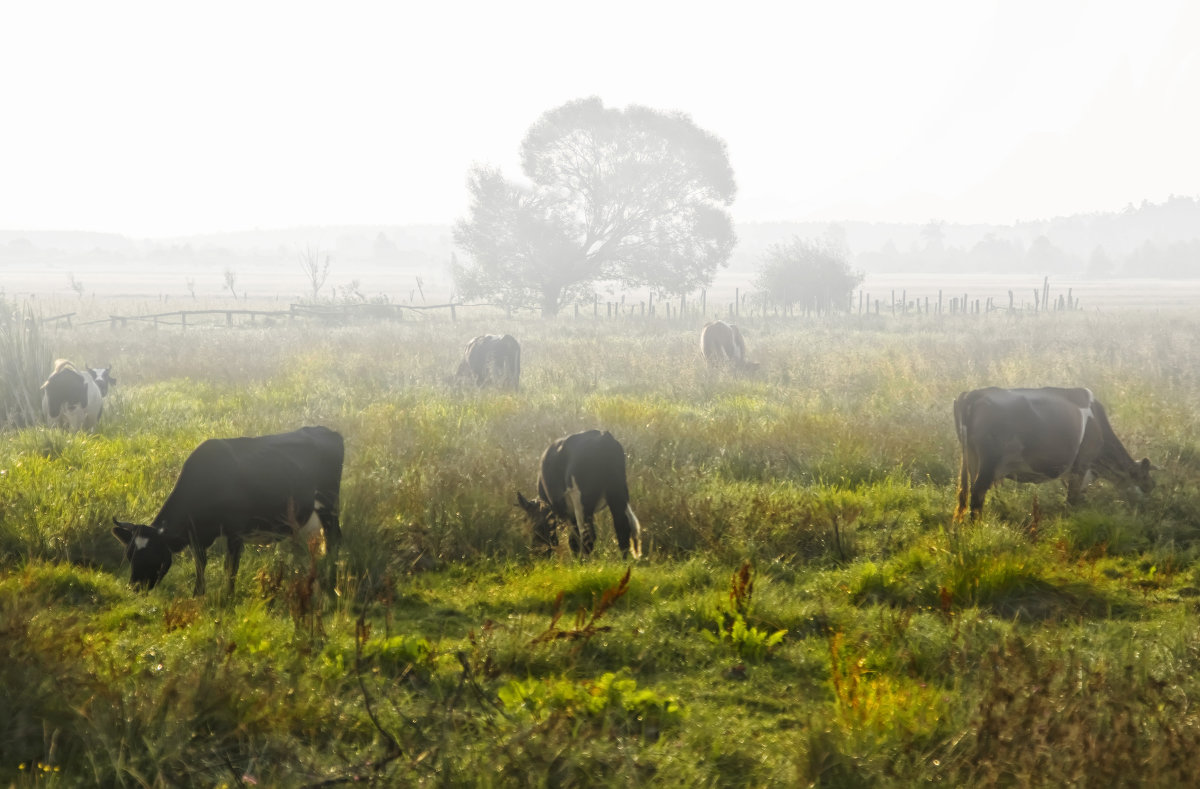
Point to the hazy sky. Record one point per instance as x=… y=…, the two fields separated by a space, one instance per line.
x=157 y=118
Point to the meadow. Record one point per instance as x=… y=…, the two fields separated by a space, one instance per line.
x=807 y=613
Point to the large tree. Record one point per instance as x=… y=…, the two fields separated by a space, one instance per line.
x=633 y=196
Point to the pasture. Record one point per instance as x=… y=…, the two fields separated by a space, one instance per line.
x=806 y=612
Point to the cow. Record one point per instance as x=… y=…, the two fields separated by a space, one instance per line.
x=580 y=474
x=722 y=344
x=103 y=378
x=248 y=490
x=71 y=399
x=1036 y=435
x=492 y=359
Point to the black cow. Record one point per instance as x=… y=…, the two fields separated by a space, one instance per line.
x=580 y=474
x=72 y=399
x=492 y=359
x=248 y=490
x=1036 y=435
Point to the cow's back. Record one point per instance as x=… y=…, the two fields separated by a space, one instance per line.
x=1029 y=433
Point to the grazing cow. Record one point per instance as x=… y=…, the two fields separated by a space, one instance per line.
x=249 y=490
x=71 y=399
x=722 y=343
x=492 y=359
x=580 y=474
x=1035 y=435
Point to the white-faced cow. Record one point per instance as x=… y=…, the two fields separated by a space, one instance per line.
x=103 y=378
x=1035 y=435
x=579 y=475
x=492 y=359
x=72 y=399
x=247 y=490
x=722 y=344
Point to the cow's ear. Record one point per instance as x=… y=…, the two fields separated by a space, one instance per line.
x=527 y=505
x=1147 y=466
x=121 y=532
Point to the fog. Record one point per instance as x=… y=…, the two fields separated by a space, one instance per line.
x=148 y=150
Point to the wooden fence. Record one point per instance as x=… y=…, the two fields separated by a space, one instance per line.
x=682 y=308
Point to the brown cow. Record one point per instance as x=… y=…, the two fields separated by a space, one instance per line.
x=722 y=343
x=492 y=359
x=1036 y=435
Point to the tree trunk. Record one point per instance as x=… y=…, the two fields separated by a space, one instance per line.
x=550 y=300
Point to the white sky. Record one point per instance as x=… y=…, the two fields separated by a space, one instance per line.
x=164 y=118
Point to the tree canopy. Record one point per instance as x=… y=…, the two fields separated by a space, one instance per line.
x=634 y=196
x=811 y=275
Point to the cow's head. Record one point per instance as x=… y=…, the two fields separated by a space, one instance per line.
x=148 y=553
x=103 y=378
x=545 y=524
x=1139 y=475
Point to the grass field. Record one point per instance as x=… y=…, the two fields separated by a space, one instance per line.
x=807 y=613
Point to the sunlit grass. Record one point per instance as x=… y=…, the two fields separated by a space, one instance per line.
x=832 y=470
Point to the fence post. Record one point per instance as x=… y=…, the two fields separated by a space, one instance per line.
x=453 y=314
x=228 y=318
x=595 y=306
x=737 y=302
x=182 y=321
x=703 y=301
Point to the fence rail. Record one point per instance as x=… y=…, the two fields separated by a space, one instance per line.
x=686 y=307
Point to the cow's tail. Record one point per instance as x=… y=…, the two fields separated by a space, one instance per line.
x=635 y=533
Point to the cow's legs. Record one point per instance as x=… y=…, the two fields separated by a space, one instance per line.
x=200 y=555
x=575 y=536
x=983 y=481
x=1076 y=482
x=628 y=530
x=964 y=486
x=233 y=558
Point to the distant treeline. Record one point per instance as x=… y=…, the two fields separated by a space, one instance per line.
x=1148 y=240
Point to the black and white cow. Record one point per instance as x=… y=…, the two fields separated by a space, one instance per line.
x=492 y=359
x=72 y=399
x=580 y=474
x=1036 y=435
x=103 y=378
x=247 y=490
x=722 y=344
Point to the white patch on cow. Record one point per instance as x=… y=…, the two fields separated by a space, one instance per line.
x=635 y=546
x=575 y=499
x=140 y=542
x=310 y=528
x=1084 y=415
x=318 y=505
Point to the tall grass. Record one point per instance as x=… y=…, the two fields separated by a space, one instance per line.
x=913 y=649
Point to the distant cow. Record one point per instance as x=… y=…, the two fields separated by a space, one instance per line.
x=1035 y=435
x=248 y=490
x=492 y=359
x=72 y=399
x=103 y=378
x=722 y=343
x=579 y=475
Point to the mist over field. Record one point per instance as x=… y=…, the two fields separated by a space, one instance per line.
x=1142 y=256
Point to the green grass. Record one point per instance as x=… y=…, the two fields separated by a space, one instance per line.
x=1042 y=645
